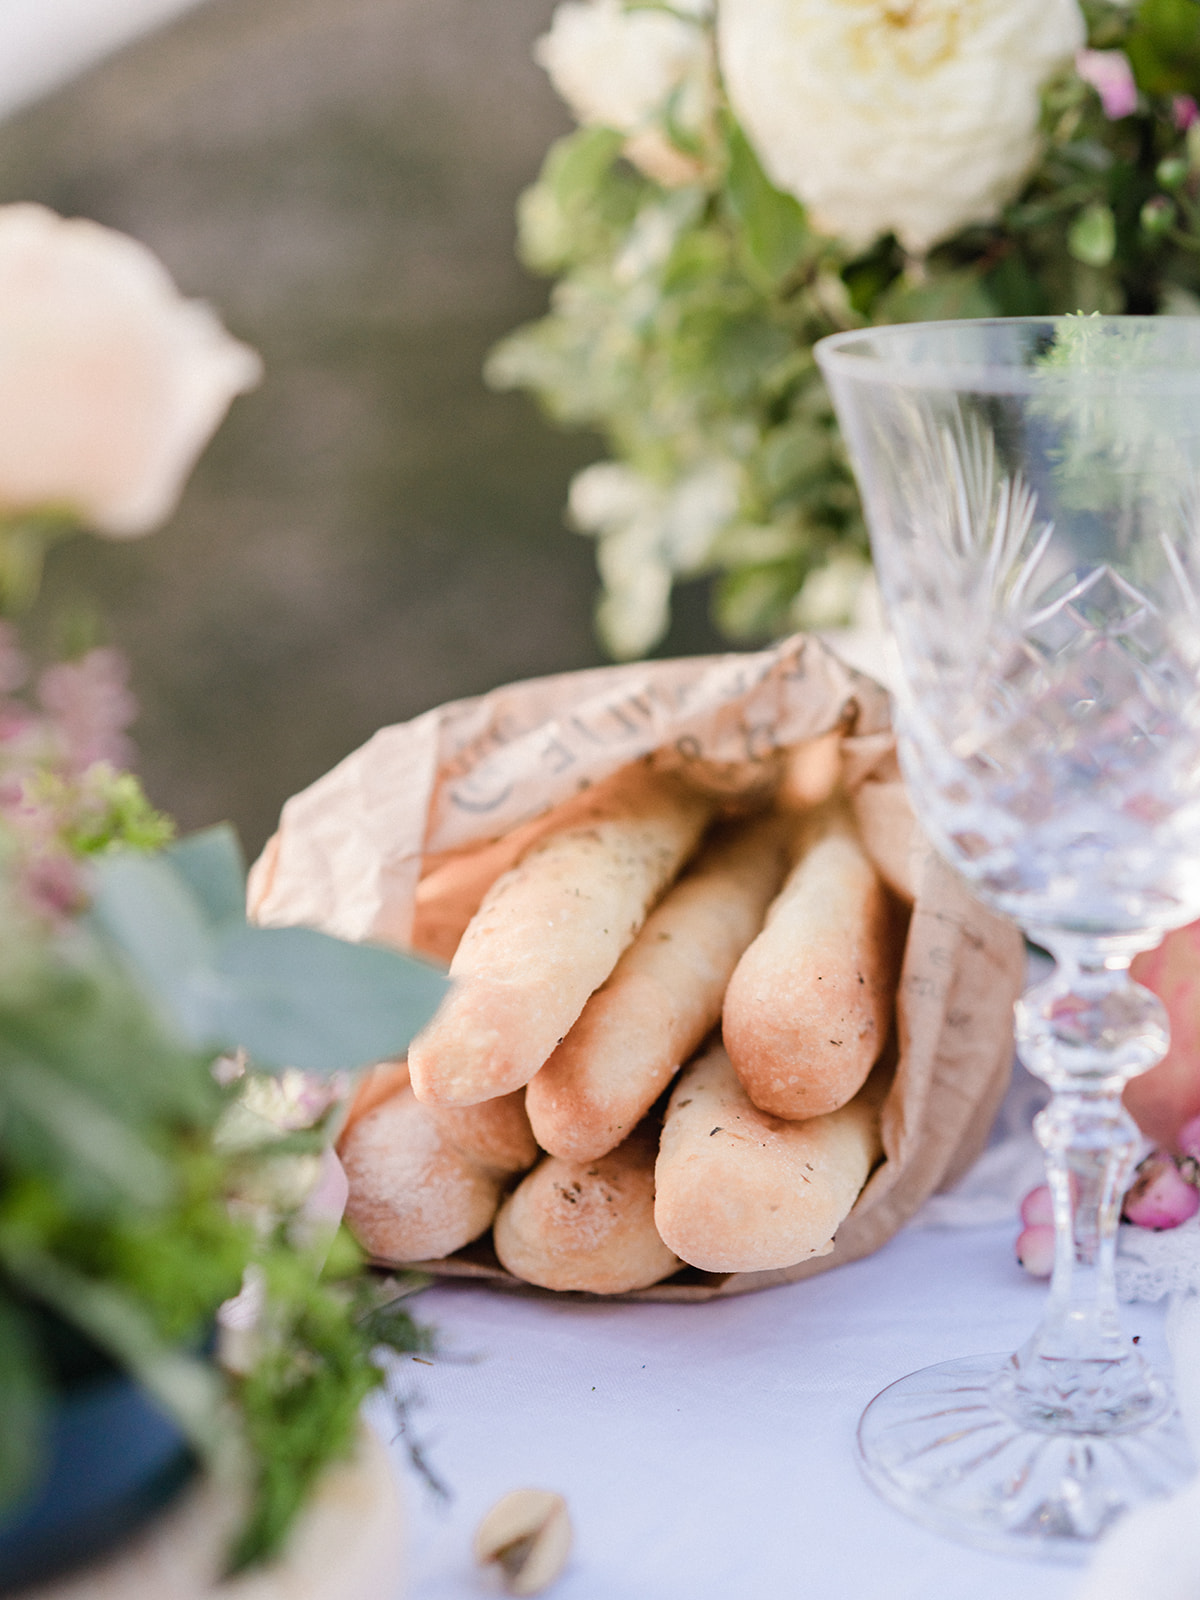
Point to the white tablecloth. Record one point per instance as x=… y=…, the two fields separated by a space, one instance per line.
x=707 y=1452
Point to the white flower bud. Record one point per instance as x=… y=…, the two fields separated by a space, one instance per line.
x=615 y=67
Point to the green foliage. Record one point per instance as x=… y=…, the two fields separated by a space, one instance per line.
x=112 y=809
x=682 y=321
x=300 y=1400
x=116 y=1188
x=1164 y=46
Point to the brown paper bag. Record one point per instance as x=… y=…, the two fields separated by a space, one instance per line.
x=351 y=850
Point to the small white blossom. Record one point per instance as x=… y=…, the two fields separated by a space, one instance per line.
x=649 y=534
x=110 y=382
x=910 y=116
x=620 y=68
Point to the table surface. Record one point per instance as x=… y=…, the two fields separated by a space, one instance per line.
x=707 y=1451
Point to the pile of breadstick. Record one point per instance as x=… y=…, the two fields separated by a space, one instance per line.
x=659 y=1044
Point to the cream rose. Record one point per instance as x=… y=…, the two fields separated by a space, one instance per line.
x=110 y=383
x=619 y=68
x=910 y=116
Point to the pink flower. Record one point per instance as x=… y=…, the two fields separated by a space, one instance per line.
x=1160 y=1196
x=1109 y=73
x=90 y=705
x=1184 y=111
x=53 y=886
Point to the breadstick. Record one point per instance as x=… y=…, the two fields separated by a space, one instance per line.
x=377 y=1084
x=494 y=1133
x=808 y=1007
x=414 y=1196
x=449 y=894
x=547 y=934
x=587 y=1225
x=738 y=1190
x=662 y=999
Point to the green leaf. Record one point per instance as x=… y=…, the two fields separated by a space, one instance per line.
x=186 y=1386
x=1092 y=238
x=212 y=866
x=583 y=201
x=774 y=228
x=85 y=1068
x=23 y=1386
x=290 y=996
x=792 y=454
x=296 y=997
x=150 y=912
x=940 y=297
x=85 y=1130
x=1164 y=47
x=576 y=164
x=752 y=603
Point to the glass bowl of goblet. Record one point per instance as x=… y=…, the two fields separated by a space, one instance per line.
x=1032 y=490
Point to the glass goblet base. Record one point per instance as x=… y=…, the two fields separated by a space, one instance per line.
x=937 y=1446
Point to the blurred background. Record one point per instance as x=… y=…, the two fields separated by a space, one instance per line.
x=372 y=531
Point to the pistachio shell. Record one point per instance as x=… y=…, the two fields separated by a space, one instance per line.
x=527 y=1534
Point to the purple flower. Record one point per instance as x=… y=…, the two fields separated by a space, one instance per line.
x=1184 y=111
x=1109 y=73
x=53 y=886
x=89 y=703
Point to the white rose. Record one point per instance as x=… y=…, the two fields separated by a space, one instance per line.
x=110 y=383
x=618 y=69
x=910 y=116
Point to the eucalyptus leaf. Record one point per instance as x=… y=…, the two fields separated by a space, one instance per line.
x=151 y=913
x=290 y=996
x=213 y=867
x=296 y=997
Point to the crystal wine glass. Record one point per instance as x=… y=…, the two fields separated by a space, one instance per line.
x=1032 y=488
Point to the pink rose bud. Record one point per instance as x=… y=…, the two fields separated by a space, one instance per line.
x=1035 y=1248
x=1160 y=1196
x=1184 y=111
x=1109 y=73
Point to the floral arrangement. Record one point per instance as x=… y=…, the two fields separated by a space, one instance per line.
x=750 y=175
x=169 y=1206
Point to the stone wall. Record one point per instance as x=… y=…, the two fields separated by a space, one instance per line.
x=372 y=532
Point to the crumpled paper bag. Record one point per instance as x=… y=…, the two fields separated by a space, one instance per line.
x=351 y=850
